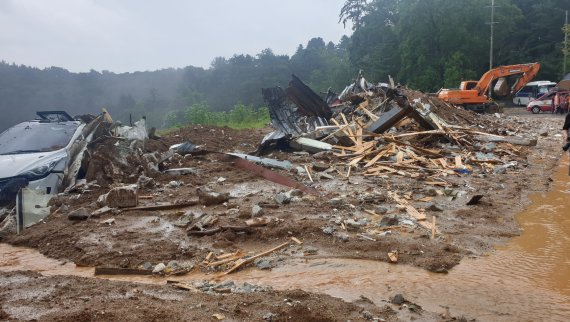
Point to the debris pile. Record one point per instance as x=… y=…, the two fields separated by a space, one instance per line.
x=379 y=130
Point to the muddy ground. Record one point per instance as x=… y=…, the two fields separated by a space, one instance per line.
x=139 y=237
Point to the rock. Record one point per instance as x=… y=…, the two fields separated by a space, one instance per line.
x=329 y=230
x=184 y=220
x=172 y=265
x=336 y=202
x=232 y=211
x=207 y=197
x=325 y=176
x=543 y=133
x=352 y=223
x=159 y=268
x=122 y=197
x=323 y=155
x=181 y=171
x=431 y=192
x=296 y=193
x=270 y=317
x=320 y=166
x=145 y=182
x=79 y=214
x=435 y=207
x=296 y=199
x=102 y=200
x=387 y=221
x=381 y=210
x=310 y=250
x=174 y=184
x=110 y=221
x=256 y=211
x=282 y=198
x=221 y=180
x=398 y=299
x=147 y=266
x=367 y=315
x=263 y=263
x=342 y=236
x=489 y=147
x=300 y=170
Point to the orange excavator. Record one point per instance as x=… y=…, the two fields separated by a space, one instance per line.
x=472 y=95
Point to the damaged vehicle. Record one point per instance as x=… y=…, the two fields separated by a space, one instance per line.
x=35 y=153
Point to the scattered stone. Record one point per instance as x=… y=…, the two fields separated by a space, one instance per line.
x=282 y=198
x=296 y=193
x=367 y=315
x=352 y=223
x=388 y=221
x=184 y=220
x=122 y=197
x=159 y=268
x=207 y=197
x=310 y=250
x=342 y=236
x=489 y=147
x=270 y=317
x=79 y=214
x=296 y=199
x=435 y=207
x=174 y=184
x=145 y=182
x=263 y=263
x=543 y=132
x=101 y=211
x=381 y=210
x=147 y=266
x=221 y=180
x=329 y=230
x=432 y=192
x=336 y=202
x=300 y=170
x=398 y=299
x=181 y=171
x=320 y=166
x=256 y=211
x=110 y=221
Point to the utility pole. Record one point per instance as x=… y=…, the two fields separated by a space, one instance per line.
x=492 y=23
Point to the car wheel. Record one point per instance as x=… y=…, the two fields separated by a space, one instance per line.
x=536 y=110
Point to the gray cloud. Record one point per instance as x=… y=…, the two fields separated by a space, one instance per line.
x=134 y=35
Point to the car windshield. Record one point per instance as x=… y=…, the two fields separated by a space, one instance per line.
x=32 y=137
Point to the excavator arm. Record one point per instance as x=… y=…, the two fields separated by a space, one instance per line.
x=528 y=72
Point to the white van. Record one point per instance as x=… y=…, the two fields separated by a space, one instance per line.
x=532 y=91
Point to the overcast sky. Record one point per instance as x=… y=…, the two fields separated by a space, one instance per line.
x=137 y=35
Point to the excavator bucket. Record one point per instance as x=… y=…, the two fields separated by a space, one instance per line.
x=501 y=87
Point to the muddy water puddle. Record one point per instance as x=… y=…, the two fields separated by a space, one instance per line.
x=526 y=280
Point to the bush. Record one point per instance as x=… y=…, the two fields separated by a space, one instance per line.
x=239 y=117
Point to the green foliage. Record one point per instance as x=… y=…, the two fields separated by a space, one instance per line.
x=239 y=117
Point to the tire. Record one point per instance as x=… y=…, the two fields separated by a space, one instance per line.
x=535 y=110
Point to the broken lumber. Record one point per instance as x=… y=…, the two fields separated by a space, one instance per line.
x=243 y=261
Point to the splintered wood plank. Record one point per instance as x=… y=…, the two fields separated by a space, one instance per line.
x=356 y=160
x=443 y=163
x=400 y=157
x=345 y=129
x=415 y=213
x=359 y=135
x=458 y=163
x=376 y=158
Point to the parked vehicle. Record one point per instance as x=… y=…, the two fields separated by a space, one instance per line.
x=532 y=91
x=35 y=153
x=544 y=103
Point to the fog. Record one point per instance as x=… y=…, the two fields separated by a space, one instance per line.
x=133 y=35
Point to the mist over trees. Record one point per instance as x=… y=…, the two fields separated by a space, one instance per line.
x=426 y=44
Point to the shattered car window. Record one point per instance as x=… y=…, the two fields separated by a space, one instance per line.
x=30 y=137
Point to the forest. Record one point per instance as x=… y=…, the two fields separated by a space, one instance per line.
x=424 y=44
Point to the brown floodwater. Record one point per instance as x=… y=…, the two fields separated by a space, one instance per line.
x=528 y=279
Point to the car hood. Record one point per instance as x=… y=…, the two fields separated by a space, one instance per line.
x=13 y=164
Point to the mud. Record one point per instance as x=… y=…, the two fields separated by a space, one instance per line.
x=139 y=237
